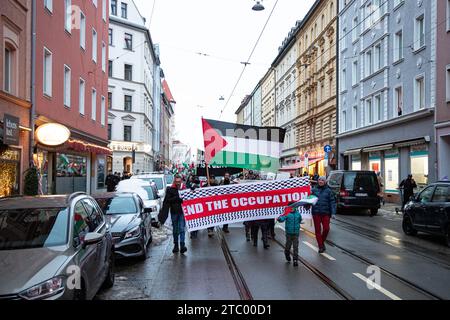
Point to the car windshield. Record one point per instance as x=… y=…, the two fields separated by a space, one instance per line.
x=150 y=192
x=33 y=228
x=157 y=181
x=117 y=205
x=169 y=179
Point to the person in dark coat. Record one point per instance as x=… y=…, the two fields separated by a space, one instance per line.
x=172 y=202
x=226 y=181
x=408 y=186
x=322 y=211
x=110 y=182
x=212 y=183
x=264 y=225
x=194 y=184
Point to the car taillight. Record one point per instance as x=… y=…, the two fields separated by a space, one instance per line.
x=344 y=193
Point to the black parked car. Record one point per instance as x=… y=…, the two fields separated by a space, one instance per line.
x=129 y=221
x=355 y=190
x=54 y=247
x=429 y=211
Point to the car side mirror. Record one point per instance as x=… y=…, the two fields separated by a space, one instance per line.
x=92 y=238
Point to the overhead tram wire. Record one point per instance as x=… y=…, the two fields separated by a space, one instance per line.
x=245 y=63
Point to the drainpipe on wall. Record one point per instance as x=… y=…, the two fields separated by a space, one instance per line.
x=33 y=79
x=338 y=156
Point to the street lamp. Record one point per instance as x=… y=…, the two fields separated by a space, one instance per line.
x=258 y=6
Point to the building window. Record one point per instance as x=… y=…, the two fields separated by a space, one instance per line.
x=369 y=66
x=48 y=61
x=124 y=7
x=369 y=112
x=448 y=83
x=95 y=3
x=48 y=5
x=109 y=131
x=103 y=57
x=94 y=45
x=114 y=7
x=67 y=86
x=127 y=133
x=8 y=70
x=355 y=117
x=419 y=165
x=110 y=36
x=419 y=93
x=104 y=10
x=378 y=109
x=82 y=30
x=391 y=171
x=344 y=121
x=128 y=103
x=82 y=96
x=110 y=68
x=419 y=32
x=355 y=29
x=448 y=15
x=109 y=100
x=398 y=97
x=94 y=105
x=398 y=46
x=128 y=72
x=355 y=73
x=103 y=111
x=377 y=58
x=128 y=41
x=68 y=15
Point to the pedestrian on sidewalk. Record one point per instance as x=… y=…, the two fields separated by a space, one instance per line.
x=172 y=202
x=110 y=182
x=381 y=187
x=292 y=219
x=322 y=211
x=408 y=186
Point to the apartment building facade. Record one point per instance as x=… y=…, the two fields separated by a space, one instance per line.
x=387 y=89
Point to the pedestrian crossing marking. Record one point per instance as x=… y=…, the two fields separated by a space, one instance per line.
x=377 y=287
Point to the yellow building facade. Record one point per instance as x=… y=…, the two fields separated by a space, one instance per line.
x=316 y=91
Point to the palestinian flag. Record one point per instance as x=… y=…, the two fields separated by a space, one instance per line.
x=241 y=146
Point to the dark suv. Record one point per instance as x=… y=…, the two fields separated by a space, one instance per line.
x=54 y=247
x=355 y=190
x=429 y=211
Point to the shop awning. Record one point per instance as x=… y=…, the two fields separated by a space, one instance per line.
x=412 y=143
x=293 y=167
x=352 y=152
x=379 y=148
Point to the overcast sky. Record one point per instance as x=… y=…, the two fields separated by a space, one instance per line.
x=226 y=30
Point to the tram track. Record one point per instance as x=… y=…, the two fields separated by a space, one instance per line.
x=378 y=236
x=368 y=262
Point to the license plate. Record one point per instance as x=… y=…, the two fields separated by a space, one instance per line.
x=361 y=194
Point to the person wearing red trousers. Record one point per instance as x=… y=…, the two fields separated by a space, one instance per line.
x=322 y=211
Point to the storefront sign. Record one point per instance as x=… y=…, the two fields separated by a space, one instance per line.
x=10 y=130
x=52 y=134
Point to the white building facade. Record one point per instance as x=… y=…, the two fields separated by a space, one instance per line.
x=131 y=89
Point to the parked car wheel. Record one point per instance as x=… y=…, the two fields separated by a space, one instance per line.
x=373 y=212
x=110 y=277
x=408 y=227
x=143 y=257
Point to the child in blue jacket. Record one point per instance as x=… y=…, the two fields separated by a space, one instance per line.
x=293 y=219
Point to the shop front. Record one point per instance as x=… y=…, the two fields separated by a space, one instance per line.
x=130 y=157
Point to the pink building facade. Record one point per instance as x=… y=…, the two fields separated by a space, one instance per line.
x=443 y=88
x=15 y=70
x=72 y=90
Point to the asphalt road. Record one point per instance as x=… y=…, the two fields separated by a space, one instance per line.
x=410 y=268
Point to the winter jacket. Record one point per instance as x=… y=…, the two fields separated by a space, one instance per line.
x=326 y=204
x=173 y=201
x=293 y=221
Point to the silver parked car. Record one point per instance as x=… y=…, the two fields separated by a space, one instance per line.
x=54 y=247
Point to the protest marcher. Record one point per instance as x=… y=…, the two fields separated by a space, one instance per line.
x=212 y=183
x=194 y=184
x=322 y=211
x=226 y=181
x=172 y=202
x=293 y=219
x=110 y=182
x=264 y=225
x=408 y=186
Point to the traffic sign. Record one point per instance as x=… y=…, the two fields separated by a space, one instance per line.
x=328 y=148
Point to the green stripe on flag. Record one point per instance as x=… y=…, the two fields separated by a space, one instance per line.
x=246 y=161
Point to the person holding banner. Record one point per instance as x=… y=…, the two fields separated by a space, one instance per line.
x=322 y=211
x=173 y=201
x=212 y=183
x=226 y=181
